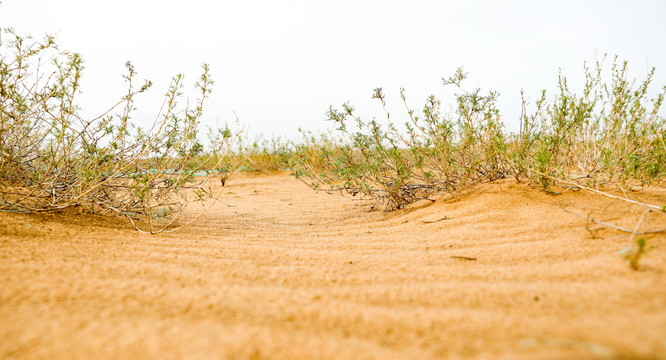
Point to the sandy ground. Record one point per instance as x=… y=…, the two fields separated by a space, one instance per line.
x=305 y=275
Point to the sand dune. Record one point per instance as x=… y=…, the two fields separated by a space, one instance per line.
x=500 y=272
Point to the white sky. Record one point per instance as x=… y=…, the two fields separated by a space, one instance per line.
x=280 y=64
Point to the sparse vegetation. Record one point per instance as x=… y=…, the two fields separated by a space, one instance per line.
x=612 y=133
x=51 y=158
x=261 y=155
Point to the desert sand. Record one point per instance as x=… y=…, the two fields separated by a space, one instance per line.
x=499 y=272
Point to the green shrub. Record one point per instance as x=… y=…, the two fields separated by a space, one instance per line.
x=611 y=132
x=52 y=158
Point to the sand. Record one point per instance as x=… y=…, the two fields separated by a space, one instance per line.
x=500 y=272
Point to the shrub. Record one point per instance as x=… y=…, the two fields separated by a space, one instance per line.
x=612 y=132
x=52 y=158
x=393 y=167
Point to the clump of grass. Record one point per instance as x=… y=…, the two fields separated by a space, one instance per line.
x=262 y=155
x=611 y=133
x=52 y=158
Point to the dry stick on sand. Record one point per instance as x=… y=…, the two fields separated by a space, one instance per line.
x=654 y=208
x=635 y=250
x=463 y=257
x=636 y=247
x=434 y=221
x=634 y=232
x=230 y=207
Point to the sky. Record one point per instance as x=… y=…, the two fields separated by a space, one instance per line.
x=279 y=65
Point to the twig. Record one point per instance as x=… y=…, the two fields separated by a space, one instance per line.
x=463 y=257
x=649 y=206
x=634 y=232
x=230 y=207
x=640 y=221
x=434 y=221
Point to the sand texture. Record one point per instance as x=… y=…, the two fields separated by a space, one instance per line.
x=500 y=272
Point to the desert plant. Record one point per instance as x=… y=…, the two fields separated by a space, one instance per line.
x=610 y=133
x=52 y=158
x=262 y=154
x=436 y=152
